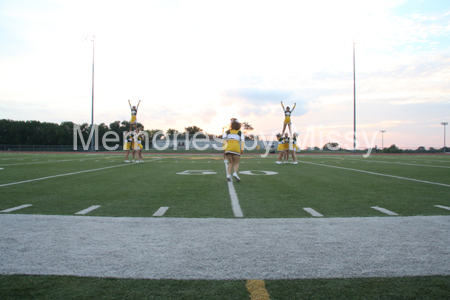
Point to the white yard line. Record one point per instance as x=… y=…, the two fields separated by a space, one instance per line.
x=373 y=173
x=44 y=162
x=384 y=210
x=15 y=208
x=234 y=199
x=397 y=163
x=67 y=174
x=89 y=209
x=312 y=212
x=444 y=207
x=160 y=212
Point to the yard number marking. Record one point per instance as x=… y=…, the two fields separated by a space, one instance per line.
x=258 y=172
x=197 y=172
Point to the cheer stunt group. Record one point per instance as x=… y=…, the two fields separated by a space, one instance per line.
x=234 y=142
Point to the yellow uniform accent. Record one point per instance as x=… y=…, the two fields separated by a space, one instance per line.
x=280 y=144
x=133 y=117
x=287 y=115
x=286 y=143
x=233 y=141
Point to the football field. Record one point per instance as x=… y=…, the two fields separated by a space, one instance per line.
x=333 y=226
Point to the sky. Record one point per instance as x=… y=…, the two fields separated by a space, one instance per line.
x=203 y=62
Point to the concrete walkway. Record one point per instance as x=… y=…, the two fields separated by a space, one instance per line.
x=180 y=248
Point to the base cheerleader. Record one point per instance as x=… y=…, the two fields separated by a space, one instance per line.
x=234 y=143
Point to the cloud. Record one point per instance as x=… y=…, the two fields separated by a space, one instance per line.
x=257 y=96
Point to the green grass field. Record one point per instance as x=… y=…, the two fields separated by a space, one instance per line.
x=195 y=186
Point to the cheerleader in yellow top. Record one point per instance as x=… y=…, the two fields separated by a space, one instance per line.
x=128 y=146
x=286 y=148
x=280 y=147
x=134 y=110
x=287 y=118
x=233 y=146
x=294 y=149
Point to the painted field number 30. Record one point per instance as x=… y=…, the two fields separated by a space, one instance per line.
x=197 y=172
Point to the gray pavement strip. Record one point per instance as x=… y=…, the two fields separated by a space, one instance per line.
x=188 y=248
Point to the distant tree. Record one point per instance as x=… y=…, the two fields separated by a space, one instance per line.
x=432 y=150
x=192 y=129
x=152 y=132
x=171 y=131
x=392 y=149
x=331 y=146
x=246 y=127
x=421 y=149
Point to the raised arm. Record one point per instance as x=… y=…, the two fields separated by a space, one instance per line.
x=294 y=106
x=282 y=105
x=129 y=103
x=137 y=107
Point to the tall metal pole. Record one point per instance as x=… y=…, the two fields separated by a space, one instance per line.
x=354 y=99
x=445 y=124
x=382 y=138
x=92 y=115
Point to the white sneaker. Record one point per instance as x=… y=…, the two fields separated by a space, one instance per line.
x=137 y=161
x=278 y=162
x=141 y=160
x=229 y=177
x=295 y=163
x=127 y=161
x=237 y=177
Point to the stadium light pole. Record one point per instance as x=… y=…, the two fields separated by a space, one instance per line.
x=354 y=99
x=445 y=124
x=382 y=138
x=91 y=38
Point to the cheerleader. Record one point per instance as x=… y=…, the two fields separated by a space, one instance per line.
x=139 y=147
x=294 y=149
x=287 y=118
x=286 y=148
x=234 y=143
x=127 y=146
x=134 y=110
x=280 y=147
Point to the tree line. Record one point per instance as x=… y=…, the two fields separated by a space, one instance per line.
x=45 y=133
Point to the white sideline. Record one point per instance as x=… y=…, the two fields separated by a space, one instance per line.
x=234 y=199
x=224 y=249
x=373 y=173
x=67 y=174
